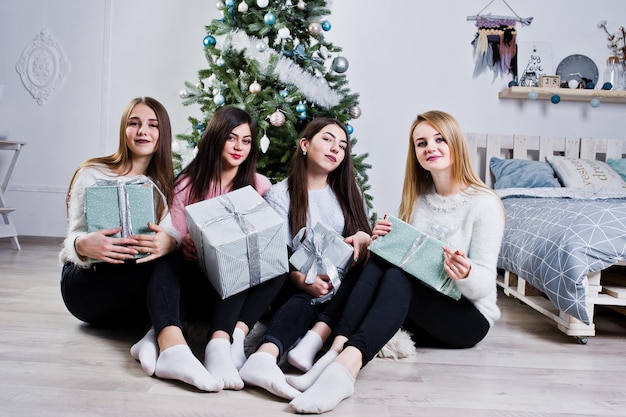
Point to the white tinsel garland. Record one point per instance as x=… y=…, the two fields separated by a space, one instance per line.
x=315 y=90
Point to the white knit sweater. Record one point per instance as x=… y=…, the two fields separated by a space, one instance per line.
x=473 y=222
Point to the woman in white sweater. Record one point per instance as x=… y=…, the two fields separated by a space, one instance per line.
x=442 y=196
x=112 y=292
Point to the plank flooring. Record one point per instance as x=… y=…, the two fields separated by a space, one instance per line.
x=53 y=365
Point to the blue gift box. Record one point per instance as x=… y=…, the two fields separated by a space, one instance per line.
x=111 y=204
x=416 y=253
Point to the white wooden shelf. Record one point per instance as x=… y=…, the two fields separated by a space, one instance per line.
x=566 y=94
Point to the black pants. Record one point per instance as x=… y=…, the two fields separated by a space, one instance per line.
x=297 y=315
x=109 y=294
x=182 y=291
x=384 y=298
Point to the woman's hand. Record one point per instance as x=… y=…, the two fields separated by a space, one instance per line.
x=320 y=287
x=360 y=241
x=101 y=246
x=456 y=264
x=189 y=249
x=381 y=228
x=154 y=245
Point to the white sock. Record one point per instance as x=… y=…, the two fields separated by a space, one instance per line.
x=262 y=370
x=218 y=361
x=178 y=362
x=237 y=350
x=146 y=352
x=333 y=386
x=303 y=354
x=304 y=381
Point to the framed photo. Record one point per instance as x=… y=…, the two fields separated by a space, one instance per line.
x=534 y=59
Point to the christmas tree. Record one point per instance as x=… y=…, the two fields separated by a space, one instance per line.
x=271 y=58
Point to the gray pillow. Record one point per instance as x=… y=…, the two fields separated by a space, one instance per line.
x=522 y=173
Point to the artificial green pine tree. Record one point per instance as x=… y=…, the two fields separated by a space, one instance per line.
x=271 y=58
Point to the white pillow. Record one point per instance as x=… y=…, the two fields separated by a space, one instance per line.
x=586 y=173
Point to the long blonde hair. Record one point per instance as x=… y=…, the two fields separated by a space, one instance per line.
x=417 y=180
x=160 y=169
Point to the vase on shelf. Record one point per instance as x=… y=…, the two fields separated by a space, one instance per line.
x=614 y=74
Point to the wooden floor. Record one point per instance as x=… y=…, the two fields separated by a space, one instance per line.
x=52 y=365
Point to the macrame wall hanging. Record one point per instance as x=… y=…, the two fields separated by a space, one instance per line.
x=495 y=47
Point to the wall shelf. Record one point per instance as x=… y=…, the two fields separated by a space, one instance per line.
x=566 y=94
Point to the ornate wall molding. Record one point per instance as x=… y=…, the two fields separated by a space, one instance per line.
x=42 y=67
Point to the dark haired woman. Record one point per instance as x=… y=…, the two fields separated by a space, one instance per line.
x=321 y=187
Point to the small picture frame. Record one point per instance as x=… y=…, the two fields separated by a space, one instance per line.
x=550 y=81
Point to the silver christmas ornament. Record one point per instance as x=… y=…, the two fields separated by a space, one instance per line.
x=255 y=88
x=220 y=5
x=277 y=118
x=262 y=3
x=243 y=7
x=301 y=5
x=315 y=28
x=183 y=94
x=340 y=64
x=355 y=112
x=265 y=143
x=261 y=46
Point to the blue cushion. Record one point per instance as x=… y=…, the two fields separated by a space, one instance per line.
x=522 y=173
x=619 y=166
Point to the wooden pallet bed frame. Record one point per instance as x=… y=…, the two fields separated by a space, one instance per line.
x=606 y=287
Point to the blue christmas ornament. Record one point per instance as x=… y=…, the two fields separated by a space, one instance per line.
x=555 y=99
x=269 y=18
x=533 y=95
x=513 y=83
x=326 y=26
x=209 y=40
x=349 y=128
x=229 y=3
x=284 y=93
x=302 y=115
x=300 y=108
x=607 y=86
x=595 y=102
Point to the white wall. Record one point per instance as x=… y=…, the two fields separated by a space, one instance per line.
x=405 y=58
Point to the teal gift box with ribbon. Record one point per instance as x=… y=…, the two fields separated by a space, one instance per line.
x=112 y=203
x=241 y=241
x=319 y=250
x=416 y=253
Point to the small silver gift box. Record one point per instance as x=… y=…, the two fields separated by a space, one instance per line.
x=320 y=250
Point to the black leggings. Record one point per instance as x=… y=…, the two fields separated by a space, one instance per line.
x=182 y=290
x=384 y=298
x=109 y=294
x=297 y=315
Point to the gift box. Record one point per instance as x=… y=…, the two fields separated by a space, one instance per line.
x=320 y=250
x=416 y=253
x=241 y=241
x=112 y=203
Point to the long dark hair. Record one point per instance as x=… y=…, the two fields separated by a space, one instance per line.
x=160 y=169
x=205 y=170
x=342 y=182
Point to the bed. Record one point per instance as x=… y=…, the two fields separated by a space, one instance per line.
x=564 y=248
